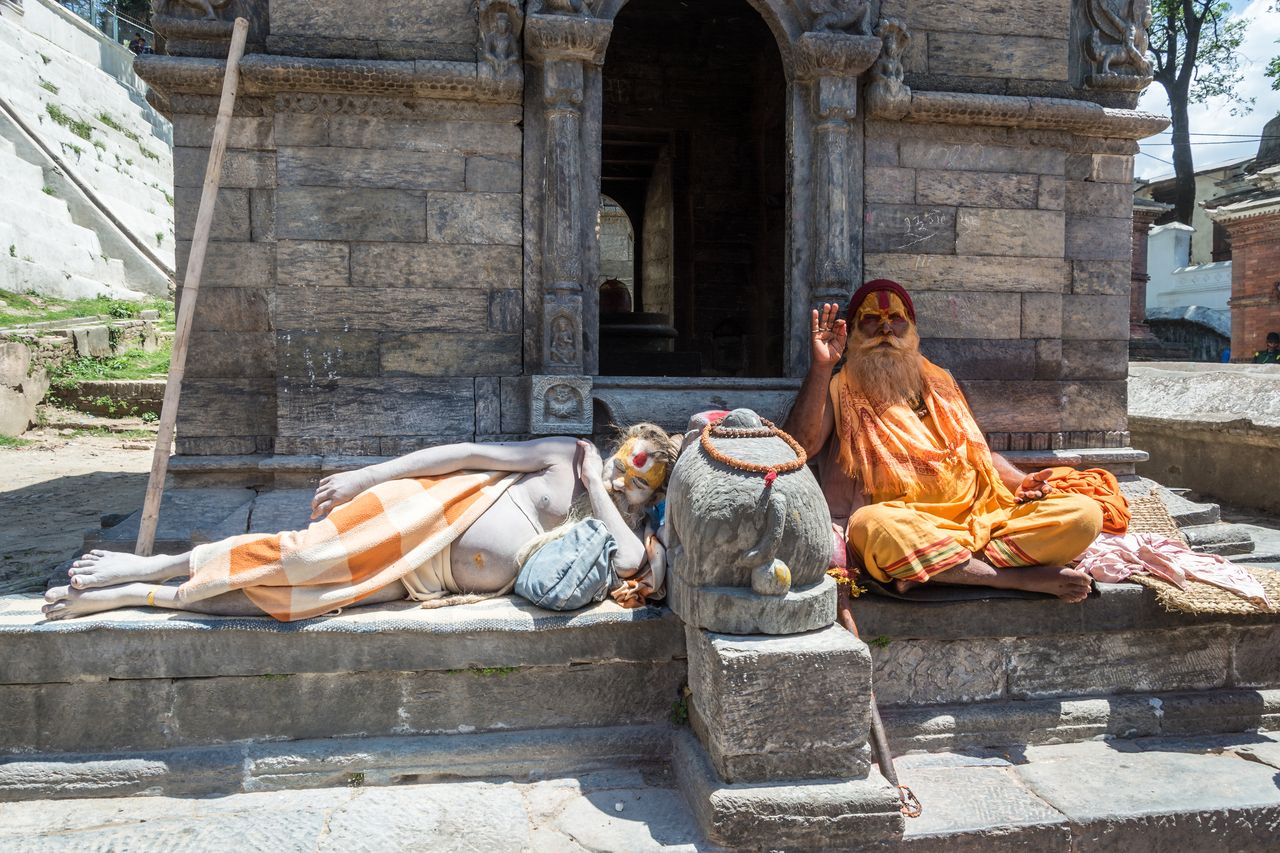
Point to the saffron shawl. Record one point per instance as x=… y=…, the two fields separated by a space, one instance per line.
x=895 y=456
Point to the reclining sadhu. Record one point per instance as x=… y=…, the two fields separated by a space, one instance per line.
x=455 y=520
x=917 y=493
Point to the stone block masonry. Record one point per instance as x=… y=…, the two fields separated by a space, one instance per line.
x=364 y=274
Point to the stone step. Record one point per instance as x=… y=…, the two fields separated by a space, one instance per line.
x=19 y=276
x=1188 y=513
x=392 y=670
x=1221 y=538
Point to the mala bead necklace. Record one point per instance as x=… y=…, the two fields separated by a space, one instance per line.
x=770 y=472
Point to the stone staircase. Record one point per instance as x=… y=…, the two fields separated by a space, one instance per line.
x=102 y=132
x=41 y=248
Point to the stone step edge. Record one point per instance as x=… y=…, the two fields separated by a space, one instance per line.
x=253 y=766
x=941 y=728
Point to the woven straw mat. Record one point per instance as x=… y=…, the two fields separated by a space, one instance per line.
x=1149 y=515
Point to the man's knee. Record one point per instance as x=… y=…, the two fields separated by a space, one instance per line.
x=1082 y=520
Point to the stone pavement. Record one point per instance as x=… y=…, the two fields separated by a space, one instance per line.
x=1211 y=793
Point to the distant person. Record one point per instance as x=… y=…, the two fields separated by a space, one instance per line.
x=138 y=44
x=1270 y=355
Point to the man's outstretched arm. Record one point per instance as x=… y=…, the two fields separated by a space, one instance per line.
x=810 y=420
x=336 y=489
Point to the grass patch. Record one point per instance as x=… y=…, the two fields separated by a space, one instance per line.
x=10 y=441
x=167 y=197
x=13 y=250
x=46 y=59
x=49 y=191
x=130 y=364
x=82 y=129
x=110 y=122
x=99 y=144
x=48 y=87
x=148 y=153
x=106 y=432
x=72 y=147
x=159 y=238
x=22 y=308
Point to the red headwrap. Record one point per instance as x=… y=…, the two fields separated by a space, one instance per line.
x=879 y=285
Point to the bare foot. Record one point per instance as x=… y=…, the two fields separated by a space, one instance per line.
x=64 y=602
x=109 y=568
x=903 y=586
x=1071 y=585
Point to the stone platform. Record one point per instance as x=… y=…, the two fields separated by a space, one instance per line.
x=1158 y=794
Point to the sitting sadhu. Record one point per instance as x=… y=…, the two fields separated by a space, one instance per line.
x=455 y=519
x=903 y=461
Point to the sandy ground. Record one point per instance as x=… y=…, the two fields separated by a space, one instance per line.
x=54 y=490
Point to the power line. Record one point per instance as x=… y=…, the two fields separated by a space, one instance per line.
x=1154 y=157
x=1233 y=135
x=1219 y=142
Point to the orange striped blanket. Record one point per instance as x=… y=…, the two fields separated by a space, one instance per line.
x=373 y=540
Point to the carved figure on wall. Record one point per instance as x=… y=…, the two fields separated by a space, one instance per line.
x=500 y=25
x=169 y=7
x=565 y=7
x=1118 y=39
x=563 y=403
x=888 y=96
x=842 y=16
x=467 y=516
x=564 y=340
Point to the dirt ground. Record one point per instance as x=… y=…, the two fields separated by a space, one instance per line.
x=76 y=469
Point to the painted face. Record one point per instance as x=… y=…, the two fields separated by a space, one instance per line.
x=634 y=471
x=882 y=314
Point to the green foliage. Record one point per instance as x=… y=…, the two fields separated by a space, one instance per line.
x=73 y=147
x=99 y=144
x=680 y=712
x=492 y=670
x=879 y=642
x=49 y=191
x=48 y=87
x=148 y=153
x=13 y=250
x=355 y=780
x=23 y=308
x=167 y=198
x=80 y=128
x=46 y=59
x=11 y=441
x=110 y=122
x=159 y=238
x=130 y=364
x=1195 y=47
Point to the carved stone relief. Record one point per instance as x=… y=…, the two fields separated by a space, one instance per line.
x=211 y=9
x=561 y=405
x=1117 y=44
x=887 y=96
x=842 y=16
x=501 y=22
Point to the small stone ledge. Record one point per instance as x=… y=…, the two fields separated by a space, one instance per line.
x=328 y=762
x=1115 y=607
x=264 y=74
x=151 y=644
x=1081 y=117
x=966 y=726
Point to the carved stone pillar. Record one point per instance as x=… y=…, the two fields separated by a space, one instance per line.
x=562 y=44
x=829 y=63
x=1144 y=214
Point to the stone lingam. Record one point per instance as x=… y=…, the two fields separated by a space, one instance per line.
x=752 y=532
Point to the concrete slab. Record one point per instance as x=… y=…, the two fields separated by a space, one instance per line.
x=996 y=812
x=212 y=512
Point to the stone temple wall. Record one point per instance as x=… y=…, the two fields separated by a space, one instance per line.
x=404 y=240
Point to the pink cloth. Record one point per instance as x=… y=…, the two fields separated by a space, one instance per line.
x=1112 y=558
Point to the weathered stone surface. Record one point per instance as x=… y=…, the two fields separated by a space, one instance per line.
x=231 y=264
x=493 y=175
x=391 y=310
x=1021 y=233
x=1094 y=359
x=916 y=229
x=1109 y=168
x=446 y=21
x=420 y=265
x=334 y=213
x=995 y=806
x=232 y=309
x=309 y=357
x=1041 y=315
x=738 y=610
x=976 y=358
x=971 y=272
x=975 y=55
x=1092 y=238
x=379 y=407
x=449 y=354
x=1045 y=406
x=976 y=189
x=231 y=354
x=879 y=152
x=230 y=214
x=239 y=168
x=1254 y=658
x=466 y=137
x=474 y=218
x=923 y=672
x=1089 y=317
x=892 y=186
x=262 y=215
x=1090 y=198
x=959 y=314
x=364 y=167
x=312 y=264
x=91 y=341
x=488 y=405
x=927 y=154
x=818 y=813
x=301 y=129
x=1051 y=194
x=247 y=132
x=1193 y=659
x=1110 y=278
x=994 y=17
x=764 y=703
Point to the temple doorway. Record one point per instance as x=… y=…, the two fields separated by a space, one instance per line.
x=693 y=155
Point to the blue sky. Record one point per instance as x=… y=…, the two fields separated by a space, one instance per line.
x=1215 y=116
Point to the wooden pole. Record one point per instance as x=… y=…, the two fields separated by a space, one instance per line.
x=190 y=289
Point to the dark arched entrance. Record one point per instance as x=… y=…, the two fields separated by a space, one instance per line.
x=693 y=148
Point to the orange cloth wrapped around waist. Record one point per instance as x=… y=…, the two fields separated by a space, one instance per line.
x=1099 y=484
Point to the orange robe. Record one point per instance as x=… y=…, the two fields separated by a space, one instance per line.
x=936 y=498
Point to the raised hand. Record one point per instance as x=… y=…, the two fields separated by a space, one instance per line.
x=828 y=335
x=590 y=465
x=1034 y=486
